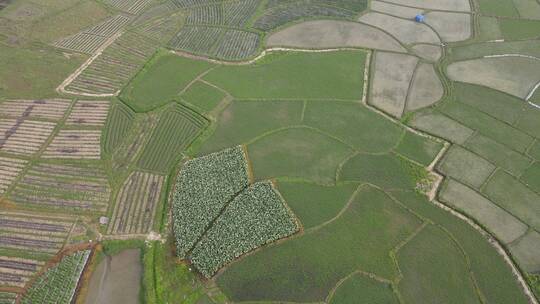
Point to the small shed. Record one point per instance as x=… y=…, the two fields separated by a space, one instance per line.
x=103 y=220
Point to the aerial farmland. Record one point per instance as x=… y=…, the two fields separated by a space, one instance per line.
x=270 y=151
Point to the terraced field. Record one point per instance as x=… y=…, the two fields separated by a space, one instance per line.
x=129 y=6
x=106 y=75
x=27 y=241
x=91 y=39
x=63 y=186
x=176 y=129
x=280 y=151
x=119 y=124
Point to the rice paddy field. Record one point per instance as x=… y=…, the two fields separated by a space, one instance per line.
x=276 y=151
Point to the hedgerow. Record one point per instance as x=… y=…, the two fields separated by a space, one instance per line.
x=256 y=217
x=57 y=284
x=203 y=188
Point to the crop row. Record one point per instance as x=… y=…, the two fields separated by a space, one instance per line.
x=136 y=204
x=162 y=29
x=155 y=12
x=238 y=13
x=53 y=109
x=211 y=14
x=196 y=39
x=23 y=136
x=234 y=14
x=62 y=186
x=118 y=125
x=203 y=188
x=110 y=26
x=28 y=242
x=115 y=66
x=237 y=45
x=281 y=15
x=15 y=272
x=10 y=169
x=69 y=172
x=256 y=217
x=189 y=3
x=7 y=297
x=175 y=131
x=218 y=42
x=90 y=39
x=89 y=113
x=10 y=222
x=77 y=144
x=129 y=6
x=58 y=283
x=82 y=42
x=352 y=5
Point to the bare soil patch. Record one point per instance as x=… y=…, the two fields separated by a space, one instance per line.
x=393 y=73
x=451 y=27
x=407 y=31
x=426 y=88
x=395 y=10
x=512 y=75
x=331 y=33
x=502 y=224
x=428 y=51
x=526 y=251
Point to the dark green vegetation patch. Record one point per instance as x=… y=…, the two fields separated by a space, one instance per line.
x=218 y=218
x=58 y=283
x=256 y=217
x=204 y=186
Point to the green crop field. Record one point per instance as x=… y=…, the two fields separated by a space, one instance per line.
x=441 y=255
x=359 y=286
x=314 y=204
x=270 y=151
x=176 y=129
x=336 y=75
x=316 y=261
x=161 y=83
x=119 y=123
x=202 y=96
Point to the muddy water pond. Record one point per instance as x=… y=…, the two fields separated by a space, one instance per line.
x=117 y=279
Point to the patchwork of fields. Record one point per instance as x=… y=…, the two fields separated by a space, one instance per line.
x=279 y=151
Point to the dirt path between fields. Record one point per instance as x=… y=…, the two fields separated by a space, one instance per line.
x=62 y=87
